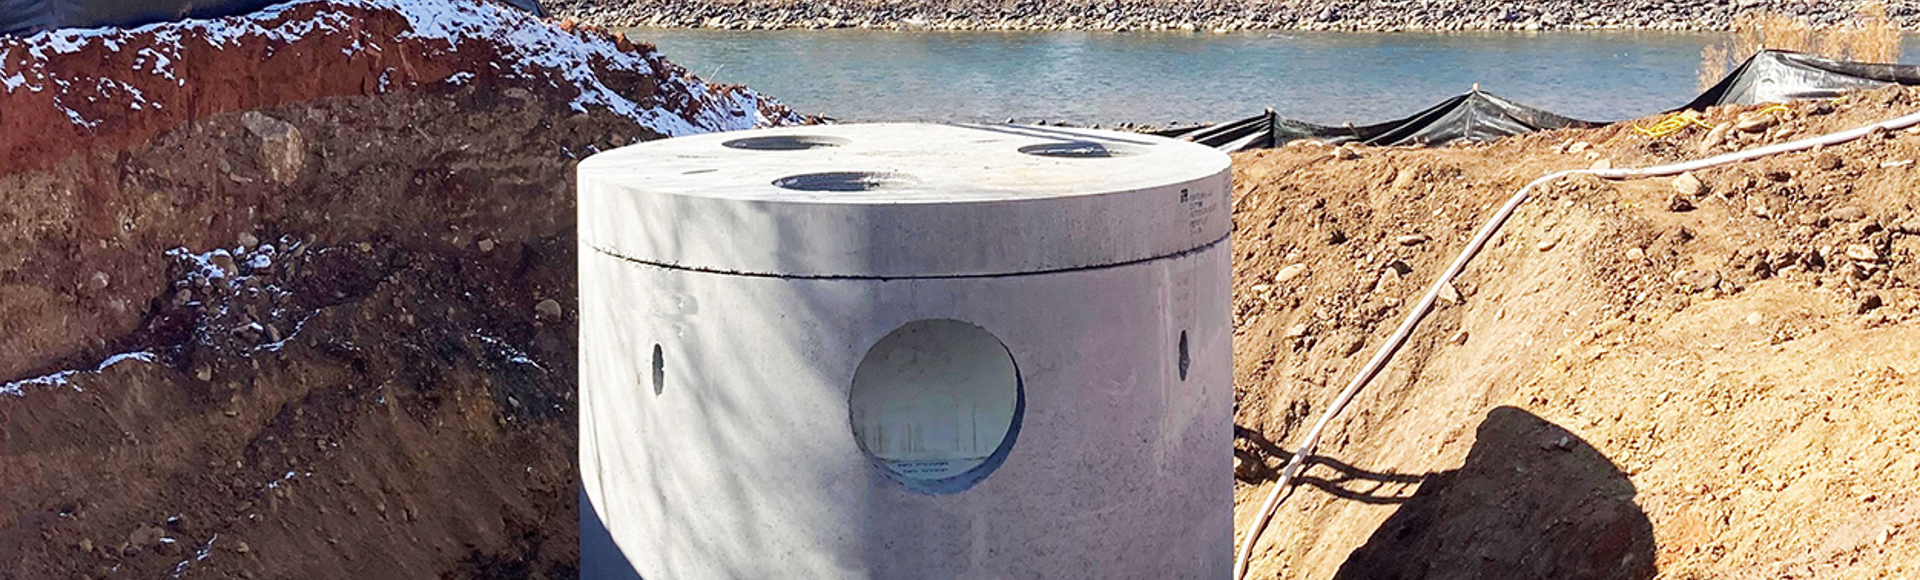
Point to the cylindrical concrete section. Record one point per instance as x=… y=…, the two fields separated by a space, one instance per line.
x=906 y=351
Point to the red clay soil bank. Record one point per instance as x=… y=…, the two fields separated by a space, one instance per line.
x=72 y=102
x=313 y=329
x=64 y=91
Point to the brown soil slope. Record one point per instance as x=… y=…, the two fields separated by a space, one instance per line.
x=1640 y=379
x=300 y=335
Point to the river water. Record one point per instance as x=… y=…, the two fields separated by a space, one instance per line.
x=1162 y=78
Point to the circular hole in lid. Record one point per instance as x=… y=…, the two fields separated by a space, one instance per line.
x=844 y=181
x=785 y=142
x=1077 y=150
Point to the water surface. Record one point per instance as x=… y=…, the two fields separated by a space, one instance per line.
x=1157 y=78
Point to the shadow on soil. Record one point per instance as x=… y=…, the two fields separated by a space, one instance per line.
x=1531 y=501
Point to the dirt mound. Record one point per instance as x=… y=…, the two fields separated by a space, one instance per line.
x=1702 y=377
x=251 y=330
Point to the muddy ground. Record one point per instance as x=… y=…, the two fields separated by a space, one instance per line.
x=1663 y=378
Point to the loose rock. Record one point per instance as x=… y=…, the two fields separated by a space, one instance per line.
x=1847 y=214
x=1688 y=185
x=1697 y=280
x=1679 y=203
x=1290 y=272
x=282 y=150
x=1751 y=123
x=1827 y=161
x=548 y=309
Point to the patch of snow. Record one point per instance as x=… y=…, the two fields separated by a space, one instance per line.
x=284 y=478
x=507 y=352
x=205 y=551
x=65 y=378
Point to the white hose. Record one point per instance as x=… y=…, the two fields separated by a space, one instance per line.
x=1420 y=311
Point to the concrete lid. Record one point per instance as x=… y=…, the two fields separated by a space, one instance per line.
x=903 y=200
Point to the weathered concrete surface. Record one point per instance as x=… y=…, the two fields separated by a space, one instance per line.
x=732 y=454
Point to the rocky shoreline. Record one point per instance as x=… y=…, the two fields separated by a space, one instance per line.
x=1207 y=15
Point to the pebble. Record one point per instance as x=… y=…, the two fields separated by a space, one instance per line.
x=1449 y=294
x=1697 y=280
x=1296 y=331
x=1548 y=244
x=1289 y=273
x=146 y=536
x=1715 y=137
x=1636 y=254
x=1603 y=164
x=486 y=245
x=1679 y=203
x=1755 y=318
x=1345 y=153
x=1411 y=239
x=224 y=262
x=1688 y=185
x=1751 y=123
x=248 y=240
x=1847 y=214
x=549 y=309
x=1827 y=161
x=1862 y=253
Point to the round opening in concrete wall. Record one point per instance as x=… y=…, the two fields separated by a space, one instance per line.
x=785 y=143
x=937 y=404
x=1076 y=149
x=844 y=181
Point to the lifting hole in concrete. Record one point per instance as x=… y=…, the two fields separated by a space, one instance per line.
x=659 y=370
x=1185 y=360
x=785 y=143
x=844 y=181
x=1076 y=150
x=937 y=405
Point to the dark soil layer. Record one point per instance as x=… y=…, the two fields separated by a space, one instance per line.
x=300 y=332
x=379 y=399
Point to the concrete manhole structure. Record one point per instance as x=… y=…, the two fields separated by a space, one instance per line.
x=906 y=351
